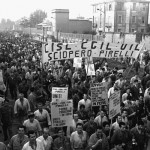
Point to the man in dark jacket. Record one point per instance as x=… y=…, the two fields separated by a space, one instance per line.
x=6 y=116
x=122 y=137
x=139 y=135
x=12 y=84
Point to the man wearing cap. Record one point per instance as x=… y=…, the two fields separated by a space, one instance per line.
x=32 y=124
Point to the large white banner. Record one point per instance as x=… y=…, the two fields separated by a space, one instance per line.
x=59 y=93
x=60 y=51
x=114 y=104
x=99 y=94
x=62 y=113
x=46 y=49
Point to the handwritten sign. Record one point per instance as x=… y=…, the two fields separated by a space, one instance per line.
x=99 y=94
x=59 y=93
x=62 y=113
x=114 y=104
x=90 y=70
x=77 y=62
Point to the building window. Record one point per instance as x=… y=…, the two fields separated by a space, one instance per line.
x=133 y=19
x=143 y=20
x=120 y=5
x=134 y=6
x=110 y=7
x=142 y=30
x=119 y=30
x=143 y=7
x=119 y=19
x=132 y=30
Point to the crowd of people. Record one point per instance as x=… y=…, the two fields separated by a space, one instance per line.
x=26 y=93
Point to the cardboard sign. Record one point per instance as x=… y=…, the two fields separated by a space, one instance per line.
x=90 y=70
x=1 y=76
x=114 y=104
x=59 y=51
x=77 y=62
x=62 y=113
x=99 y=94
x=59 y=93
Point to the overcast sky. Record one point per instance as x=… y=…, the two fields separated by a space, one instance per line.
x=16 y=9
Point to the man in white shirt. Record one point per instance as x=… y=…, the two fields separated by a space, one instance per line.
x=72 y=128
x=21 y=108
x=79 y=138
x=42 y=116
x=86 y=102
x=46 y=140
x=34 y=143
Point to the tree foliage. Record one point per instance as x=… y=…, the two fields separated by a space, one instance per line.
x=6 y=24
x=37 y=17
x=24 y=22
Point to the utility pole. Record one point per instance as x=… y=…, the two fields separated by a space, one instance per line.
x=104 y=17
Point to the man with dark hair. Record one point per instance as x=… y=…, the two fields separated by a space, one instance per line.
x=32 y=124
x=42 y=116
x=61 y=142
x=79 y=138
x=34 y=143
x=139 y=135
x=98 y=140
x=6 y=116
x=18 y=140
x=82 y=113
x=90 y=126
x=122 y=137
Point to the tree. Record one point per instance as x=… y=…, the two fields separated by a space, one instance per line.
x=24 y=22
x=37 y=17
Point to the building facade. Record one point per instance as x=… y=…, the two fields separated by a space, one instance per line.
x=126 y=16
x=62 y=23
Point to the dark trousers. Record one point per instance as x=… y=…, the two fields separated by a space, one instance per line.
x=7 y=131
x=13 y=92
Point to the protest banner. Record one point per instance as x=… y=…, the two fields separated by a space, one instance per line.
x=46 y=48
x=99 y=94
x=59 y=93
x=62 y=113
x=77 y=62
x=93 y=49
x=114 y=104
x=90 y=70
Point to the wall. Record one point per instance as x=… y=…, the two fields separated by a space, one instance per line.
x=79 y=26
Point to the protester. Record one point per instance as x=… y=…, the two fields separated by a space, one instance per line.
x=98 y=140
x=42 y=116
x=33 y=143
x=46 y=140
x=17 y=141
x=62 y=142
x=6 y=116
x=79 y=138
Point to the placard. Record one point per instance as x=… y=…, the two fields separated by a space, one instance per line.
x=77 y=62
x=99 y=94
x=59 y=93
x=114 y=104
x=90 y=70
x=62 y=113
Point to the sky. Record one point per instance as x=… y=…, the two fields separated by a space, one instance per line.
x=16 y=9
